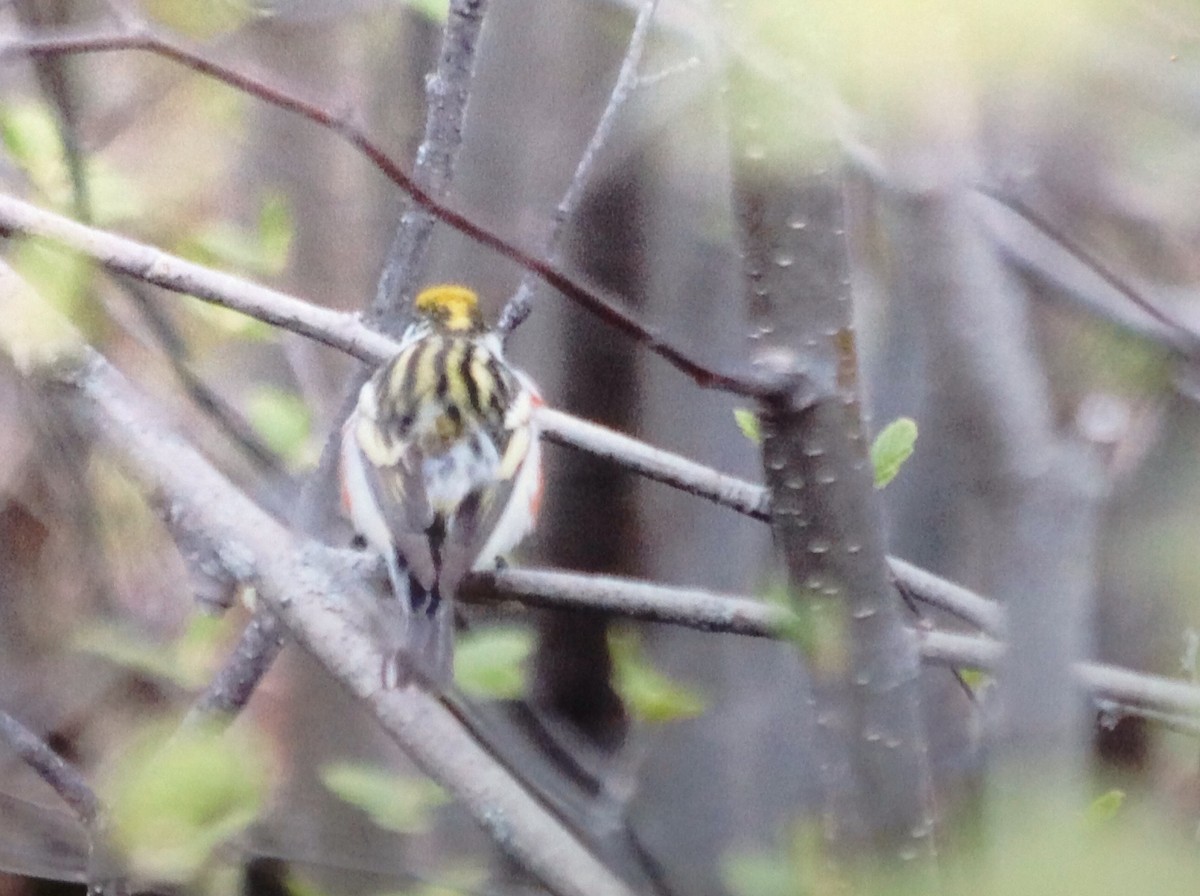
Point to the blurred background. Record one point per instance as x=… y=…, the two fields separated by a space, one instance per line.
x=1086 y=113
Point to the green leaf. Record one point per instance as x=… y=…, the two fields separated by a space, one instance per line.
x=1105 y=807
x=891 y=448
x=275 y=231
x=202 y=20
x=650 y=695
x=974 y=678
x=262 y=250
x=31 y=137
x=796 y=868
x=436 y=11
x=747 y=422
x=394 y=802
x=187 y=662
x=175 y=795
x=30 y=133
x=491 y=662
x=759 y=874
x=283 y=421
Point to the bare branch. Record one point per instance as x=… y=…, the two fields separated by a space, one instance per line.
x=125 y=256
x=519 y=306
x=1171 y=332
x=63 y=777
x=604 y=306
x=348 y=333
x=229 y=692
x=324 y=598
x=690 y=607
x=655 y=463
x=946 y=595
x=447 y=92
x=1140 y=693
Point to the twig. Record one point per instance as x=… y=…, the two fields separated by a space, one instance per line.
x=447 y=93
x=1112 y=711
x=66 y=780
x=349 y=334
x=1186 y=341
x=63 y=777
x=225 y=417
x=928 y=588
x=231 y=689
x=519 y=306
x=606 y=307
x=690 y=607
x=655 y=463
x=337 y=329
x=706 y=611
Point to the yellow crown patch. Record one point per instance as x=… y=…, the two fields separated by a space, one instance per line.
x=451 y=306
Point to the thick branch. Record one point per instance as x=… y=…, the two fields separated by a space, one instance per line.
x=325 y=601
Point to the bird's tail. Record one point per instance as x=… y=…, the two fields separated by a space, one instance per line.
x=424 y=653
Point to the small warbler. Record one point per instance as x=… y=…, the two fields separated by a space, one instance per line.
x=441 y=469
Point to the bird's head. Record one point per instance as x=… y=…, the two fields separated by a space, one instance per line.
x=452 y=308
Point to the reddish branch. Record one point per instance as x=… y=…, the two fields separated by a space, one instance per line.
x=605 y=307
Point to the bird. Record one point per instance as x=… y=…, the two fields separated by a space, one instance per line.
x=441 y=470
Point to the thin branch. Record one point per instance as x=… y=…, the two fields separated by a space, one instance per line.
x=985 y=614
x=233 y=686
x=349 y=334
x=689 y=607
x=1186 y=339
x=604 y=306
x=447 y=93
x=655 y=463
x=63 y=777
x=231 y=423
x=706 y=611
x=101 y=873
x=519 y=306
x=333 y=328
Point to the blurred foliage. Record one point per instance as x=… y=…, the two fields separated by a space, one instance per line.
x=798 y=867
x=899 y=58
x=175 y=794
x=647 y=693
x=1106 y=806
x=490 y=662
x=187 y=661
x=974 y=678
x=284 y=421
x=262 y=251
x=30 y=333
x=433 y=10
x=395 y=802
x=747 y=422
x=31 y=137
x=1099 y=851
x=891 y=448
x=201 y=20
x=814 y=623
x=455 y=881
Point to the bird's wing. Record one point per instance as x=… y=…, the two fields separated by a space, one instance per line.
x=487 y=519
